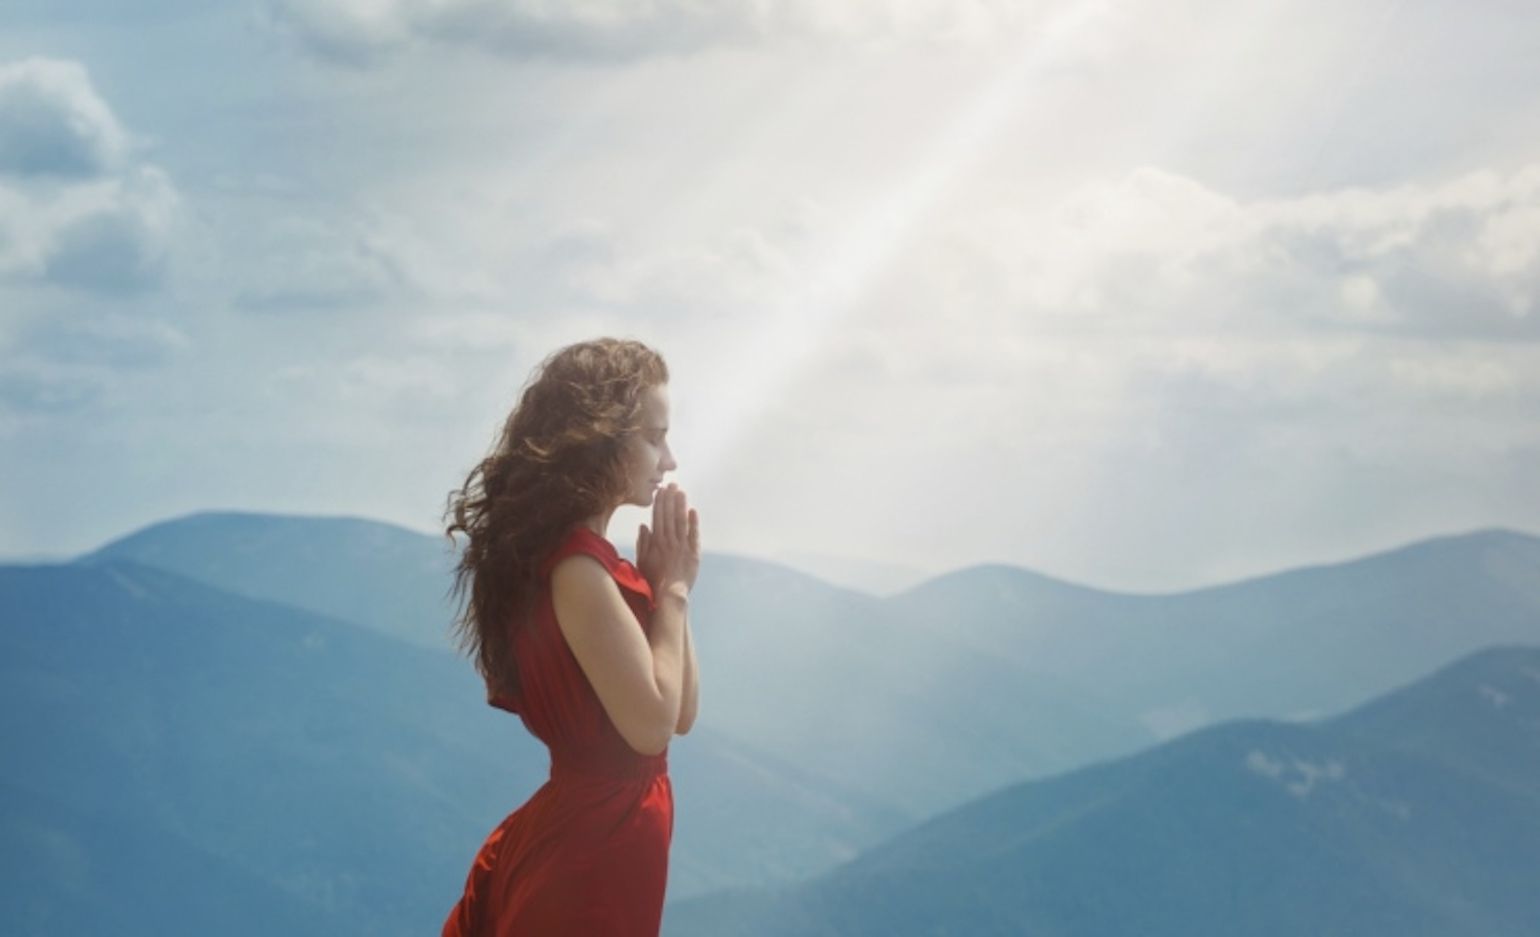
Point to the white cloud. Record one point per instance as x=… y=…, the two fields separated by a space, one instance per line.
x=308 y=261
x=71 y=360
x=107 y=235
x=1172 y=363
x=1158 y=251
x=727 y=278
x=361 y=31
x=53 y=123
x=406 y=377
x=350 y=31
x=469 y=332
x=74 y=210
x=85 y=235
x=114 y=235
x=30 y=392
x=111 y=339
x=994 y=337
x=1146 y=278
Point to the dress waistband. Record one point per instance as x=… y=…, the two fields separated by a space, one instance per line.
x=607 y=765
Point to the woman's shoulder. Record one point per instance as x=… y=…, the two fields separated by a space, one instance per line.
x=580 y=539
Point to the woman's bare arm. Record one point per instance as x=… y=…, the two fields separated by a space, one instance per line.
x=690 y=701
x=637 y=676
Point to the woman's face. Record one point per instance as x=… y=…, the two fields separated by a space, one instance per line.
x=647 y=454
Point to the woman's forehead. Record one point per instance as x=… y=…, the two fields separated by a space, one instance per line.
x=655 y=402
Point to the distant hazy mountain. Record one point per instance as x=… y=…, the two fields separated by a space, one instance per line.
x=815 y=675
x=380 y=575
x=870 y=576
x=347 y=772
x=1300 y=642
x=64 y=870
x=251 y=749
x=745 y=816
x=845 y=684
x=237 y=730
x=1416 y=815
x=973 y=680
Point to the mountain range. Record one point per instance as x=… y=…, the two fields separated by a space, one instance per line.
x=1416 y=814
x=971 y=680
x=274 y=699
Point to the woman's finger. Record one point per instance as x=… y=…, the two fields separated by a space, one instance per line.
x=676 y=497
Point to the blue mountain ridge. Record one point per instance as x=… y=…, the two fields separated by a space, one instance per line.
x=831 y=720
x=1416 y=814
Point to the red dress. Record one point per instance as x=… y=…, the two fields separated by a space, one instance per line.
x=587 y=854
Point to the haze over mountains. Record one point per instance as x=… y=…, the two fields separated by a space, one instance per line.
x=1050 y=673
x=272 y=700
x=1417 y=814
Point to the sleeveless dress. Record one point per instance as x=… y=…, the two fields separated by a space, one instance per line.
x=587 y=854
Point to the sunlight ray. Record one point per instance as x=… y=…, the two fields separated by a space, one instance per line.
x=851 y=258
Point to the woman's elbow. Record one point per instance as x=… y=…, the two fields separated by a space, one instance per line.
x=686 y=720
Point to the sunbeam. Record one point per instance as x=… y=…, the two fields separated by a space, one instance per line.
x=852 y=257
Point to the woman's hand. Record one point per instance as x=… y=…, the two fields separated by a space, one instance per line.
x=669 y=552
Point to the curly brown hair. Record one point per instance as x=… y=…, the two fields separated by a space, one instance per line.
x=558 y=460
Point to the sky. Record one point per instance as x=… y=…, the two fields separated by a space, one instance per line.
x=1147 y=296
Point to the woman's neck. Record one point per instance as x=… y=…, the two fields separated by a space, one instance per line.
x=599 y=523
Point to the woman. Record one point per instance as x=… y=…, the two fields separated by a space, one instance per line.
x=592 y=652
